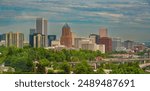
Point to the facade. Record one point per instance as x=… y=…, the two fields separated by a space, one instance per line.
x=66 y=37
x=80 y=41
x=73 y=39
x=42 y=28
x=55 y=43
x=88 y=44
x=32 y=31
x=95 y=37
x=101 y=47
x=107 y=42
x=128 y=44
x=31 y=35
x=2 y=37
x=14 y=39
x=116 y=44
x=50 y=39
x=103 y=32
x=38 y=40
x=2 y=43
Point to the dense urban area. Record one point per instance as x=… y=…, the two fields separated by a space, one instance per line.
x=95 y=54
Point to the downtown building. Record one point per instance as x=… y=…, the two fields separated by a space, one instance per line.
x=88 y=44
x=50 y=39
x=128 y=44
x=116 y=44
x=14 y=39
x=103 y=32
x=107 y=42
x=39 y=37
x=66 y=37
x=95 y=38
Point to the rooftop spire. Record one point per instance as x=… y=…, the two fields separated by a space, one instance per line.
x=66 y=26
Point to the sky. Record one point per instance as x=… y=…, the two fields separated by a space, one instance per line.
x=127 y=19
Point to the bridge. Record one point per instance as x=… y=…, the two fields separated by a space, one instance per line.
x=144 y=62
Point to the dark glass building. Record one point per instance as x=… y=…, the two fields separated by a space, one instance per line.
x=50 y=39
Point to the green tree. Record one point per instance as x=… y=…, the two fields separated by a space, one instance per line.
x=44 y=62
x=100 y=70
x=83 y=68
x=66 y=67
x=40 y=69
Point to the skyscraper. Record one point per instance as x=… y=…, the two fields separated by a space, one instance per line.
x=32 y=32
x=128 y=44
x=103 y=32
x=66 y=37
x=116 y=43
x=14 y=39
x=42 y=28
x=38 y=40
x=107 y=42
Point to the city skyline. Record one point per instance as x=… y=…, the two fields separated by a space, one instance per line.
x=126 y=19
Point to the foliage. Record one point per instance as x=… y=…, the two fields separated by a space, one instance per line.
x=128 y=68
x=100 y=70
x=22 y=60
x=65 y=67
x=83 y=68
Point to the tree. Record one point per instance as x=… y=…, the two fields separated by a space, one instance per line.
x=40 y=69
x=83 y=68
x=128 y=68
x=100 y=70
x=66 y=67
x=44 y=62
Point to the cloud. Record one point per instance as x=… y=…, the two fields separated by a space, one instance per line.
x=117 y=14
x=107 y=14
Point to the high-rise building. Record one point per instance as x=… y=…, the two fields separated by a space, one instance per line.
x=103 y=32
x=32 y=32
x=14 y=39
x=95 y=37
x=42 y=28
x=128 y=44
x=2 y=37
x=66 y=37
x=38 y=40
x=107 y=42
x=116 y=44
x=73 y=39
x=50 y=39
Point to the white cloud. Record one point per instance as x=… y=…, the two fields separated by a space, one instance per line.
x=111 y=15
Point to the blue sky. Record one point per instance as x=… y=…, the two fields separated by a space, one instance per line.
x=128 y=19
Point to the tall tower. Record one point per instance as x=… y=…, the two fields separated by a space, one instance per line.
x=103 y=32
x=14 y=39
x=42 y=28
x=66 y=37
